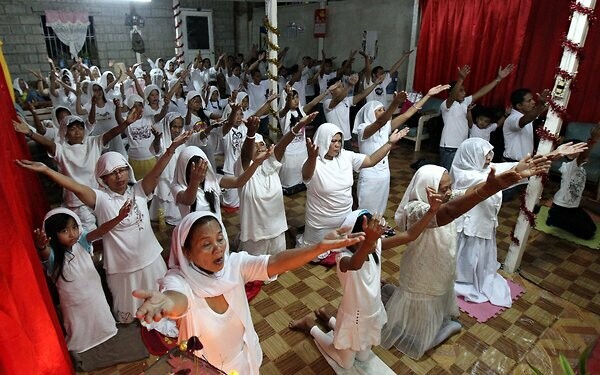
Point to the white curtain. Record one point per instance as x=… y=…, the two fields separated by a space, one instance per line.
x=69 y=27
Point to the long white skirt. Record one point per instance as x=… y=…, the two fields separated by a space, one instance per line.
x=373 y=193
x=477 y=279
x=122 y=284
x=414 y=319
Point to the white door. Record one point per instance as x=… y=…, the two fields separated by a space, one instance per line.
x=197 y=31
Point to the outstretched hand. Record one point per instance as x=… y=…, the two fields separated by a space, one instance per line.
x=182 y=138
x=306 y=120
x=125 y=209
x=501 y=181
x=40 y=240
x=504 y=72
x=155 y=307
x=464 y=71
x=260 y=157
x=399 y=97
x=134 y=115
x=437 y=89
x=252 y=123
x=374 y=227
x=340 y=238
x=198 y=171
x=531 y=166
x=435 y=200
x=568 y=150
x=34 y=166
x=399 y=134
x=313 y=150
x=21 y=126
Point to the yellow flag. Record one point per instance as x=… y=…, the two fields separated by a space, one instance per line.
x=6 y=72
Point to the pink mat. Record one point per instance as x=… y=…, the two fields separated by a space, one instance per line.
x=483 y=312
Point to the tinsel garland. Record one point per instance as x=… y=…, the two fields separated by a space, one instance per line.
x=572 y=46
x=589 y=12
x=568 y=77
x=513 y=238
x=558 y=109
x=271 y=28
x=545 y=134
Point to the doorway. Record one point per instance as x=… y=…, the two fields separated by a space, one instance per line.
x=197 y=31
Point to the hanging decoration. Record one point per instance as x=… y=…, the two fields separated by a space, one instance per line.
x=560 y=110
x=589 y=12
x=572 y=46
x=270 y=27
x=178 y=34
x=273 y=33
x=545 y=134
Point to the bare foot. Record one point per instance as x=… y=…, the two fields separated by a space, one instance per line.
x=303 y=325
x=322 y=315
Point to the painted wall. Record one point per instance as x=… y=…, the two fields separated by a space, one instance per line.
x=24 y=46
x=392 y=19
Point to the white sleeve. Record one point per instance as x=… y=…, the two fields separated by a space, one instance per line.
x=254 y=267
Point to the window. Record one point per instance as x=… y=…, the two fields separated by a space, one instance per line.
x=59 y=52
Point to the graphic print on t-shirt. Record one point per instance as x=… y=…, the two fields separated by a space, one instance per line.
x=236 y=139
x=140 y=133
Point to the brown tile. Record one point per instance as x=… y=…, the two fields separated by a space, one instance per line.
x=472 y=343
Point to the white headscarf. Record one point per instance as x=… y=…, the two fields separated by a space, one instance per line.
x=97 y=70
x=139 y=72
x=64 y=124
x=366 y=114
x=104 y=78
x=54 y=118
x=90 y=90
x=427 y=175
x=323 y=137
x=17 y=87
x=67 y=72
x=156 y=77
x=66 y=211
x=211 y=184
x=108 y=163
x=191 y=95
x=467 y=168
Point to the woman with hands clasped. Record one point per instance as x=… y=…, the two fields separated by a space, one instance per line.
x=131 y=251
x=204 y=289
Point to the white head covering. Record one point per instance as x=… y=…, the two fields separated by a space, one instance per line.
x=165 y=127
x=156 y=77
x=66 y=211
x=108 y=163
x=93 y=69
x=64 y=124
x=172 y=60
x=203 y=285
x=55 y=118
x=90 y=90
x=427 y=175
x=191 y=95
x=467 y=167
x=132 y=99
x=366 y=114
x=67 y=72
x=17 y=87
x=139 y=72
x=211 y=184
x=323 y=137
x=104 y=78
x=148 y=89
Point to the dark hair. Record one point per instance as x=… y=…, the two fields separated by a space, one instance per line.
x=482 y=112
x=333 y=80
x=358 y=228
x=210 y=196
x=198 y=223
x=376 y=69
x=518 y=96
x=61 y=109
x=52 y=226
x=452 y=84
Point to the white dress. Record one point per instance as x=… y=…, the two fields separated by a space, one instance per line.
x=295 y=153
x=361 y=314
x=424 y=299
x=87 y=318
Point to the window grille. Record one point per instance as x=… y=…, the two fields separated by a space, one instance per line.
x=59 y=52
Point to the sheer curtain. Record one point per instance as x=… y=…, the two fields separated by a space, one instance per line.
x=69 y=27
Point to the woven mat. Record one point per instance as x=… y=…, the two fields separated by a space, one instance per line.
x=482 y=312
x=540 y=224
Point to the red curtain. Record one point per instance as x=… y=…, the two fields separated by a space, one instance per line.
x=31 y=340
x=487 y=34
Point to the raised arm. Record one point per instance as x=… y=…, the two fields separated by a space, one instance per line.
x=399 y=120
x=371 y=129
x=249 y=143
x=227 y=125
x=308 y=107
x=132 y=117
x=295 y=258
x=99 y=232
x=151 y=180
x=373 y=229
x=85 y=193
x=462 y=74
x=366 y=72
x=163 y=111
x=541 y=107
x=400 y=61
x=230 y=182
x=470 y=115
x=308 y=168
x=374 y=158
x=502 y=73
x=363 y=94
x=22 y=127
x=37 y=123
x=289 y=136
x=264 y=109
x=435 y=202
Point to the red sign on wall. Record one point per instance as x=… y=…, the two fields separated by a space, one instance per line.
x=320 y=23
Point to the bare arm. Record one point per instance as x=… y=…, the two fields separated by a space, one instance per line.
x=385 y=116
x=132 y=117
x=399 y=120
x=373 y=230
x=462 y=74
x=264 y=109
x=502 y=73
x=150 y=181
x=374 y=158
x=308 y=168
x=99 y=232
x=249 y=143
x=157 y=305
x=39 y=127
x=540 y=108
x=23 y=128
x=363 y=94
x=289 y=136
x=400 y=61
x=85 y=193
x=229 y=182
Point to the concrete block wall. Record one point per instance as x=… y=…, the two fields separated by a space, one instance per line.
x=23 y=36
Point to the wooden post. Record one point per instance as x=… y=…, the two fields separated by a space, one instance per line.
x=560 y=95
x=271 y=12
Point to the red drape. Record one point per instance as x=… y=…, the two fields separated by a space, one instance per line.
x=31 y=340
x=487 y=34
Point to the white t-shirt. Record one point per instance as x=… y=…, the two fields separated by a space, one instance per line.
x=572 y=184
x=201 y=201
x=379 y=93
x=105 y=118
x=307 y=73
x=329 y=191
x=301 y=88
x=232 y=147
x=476 y=132
x=139 y=135
x=323 y=81
x=298 y=144
x=131 y=244
x=78 y=162
x=340 y=115
x=233 y=82
x=372 y=144
x=257 y=95
x=262 y=214
x=456 y=126
x=518 y=141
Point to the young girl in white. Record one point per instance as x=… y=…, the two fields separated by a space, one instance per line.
x=139 y=137
x=196 y=187
x=361 y=314
x=65 y=249
x=101 y=114
x=62 y=89
x=199 y=119
x=170 y=127
x=295 y=154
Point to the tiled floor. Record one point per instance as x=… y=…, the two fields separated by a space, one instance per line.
x=561 y=316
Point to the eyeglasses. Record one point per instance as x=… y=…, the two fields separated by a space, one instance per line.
x=117 y=172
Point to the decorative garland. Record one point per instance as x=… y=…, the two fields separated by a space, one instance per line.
x=271 y=28
x=272 y=45
x=273 y=61
x=513 y=238
x=178 y=33
x=568 y=77
x=572 y=46
x=558 y=109
x=546 y=135
x=529 y=215
x=272 y=77
x=589 y=12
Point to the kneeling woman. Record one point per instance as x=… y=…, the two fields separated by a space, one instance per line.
x=204 y=289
